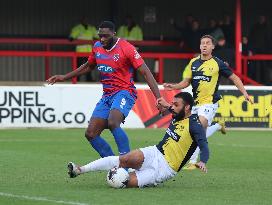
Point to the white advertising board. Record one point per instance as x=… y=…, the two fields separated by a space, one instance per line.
x=52 y=106
x=71 y=106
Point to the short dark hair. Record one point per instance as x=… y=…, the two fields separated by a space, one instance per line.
x=186 y=97
x=210 y=37
x=107 y=24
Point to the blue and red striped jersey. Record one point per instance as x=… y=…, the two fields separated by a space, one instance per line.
x=116 y=66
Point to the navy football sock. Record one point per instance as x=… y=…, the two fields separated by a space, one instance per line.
x=121 y=140
x=101 y=146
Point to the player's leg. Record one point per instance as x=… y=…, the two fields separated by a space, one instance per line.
x=214 y=128
x=105 y=163
x=206 y=114
x=204 y=122
x=144 y=162
x=133 y=159
x=97 y=124
x=122 y=103
x=120 y=137
x=211 y=129
x=95 y=127
x=154 y=168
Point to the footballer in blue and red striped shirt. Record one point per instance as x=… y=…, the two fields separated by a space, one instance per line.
x=116 y=59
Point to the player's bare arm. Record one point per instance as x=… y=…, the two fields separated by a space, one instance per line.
x=238 y=83
x=144 y=70
x=84 y=68
x=178 y=86
x=152 y=83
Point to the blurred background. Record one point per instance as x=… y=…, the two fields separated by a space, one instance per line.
x=37 y=39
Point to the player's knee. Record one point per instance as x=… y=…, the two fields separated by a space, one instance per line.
x=124 y=160
x=133 y=159
x=204 y=121
x=112 y=124
x=90 y=134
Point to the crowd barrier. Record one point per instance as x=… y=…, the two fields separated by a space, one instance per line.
x=47 y=53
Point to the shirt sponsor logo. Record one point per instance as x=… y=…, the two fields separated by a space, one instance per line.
x=172 y=134
x=105 y=69
x=202 y=77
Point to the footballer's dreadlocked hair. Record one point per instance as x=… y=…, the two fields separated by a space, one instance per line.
x=107 y=24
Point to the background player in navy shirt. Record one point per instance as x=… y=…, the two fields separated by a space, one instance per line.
x=203 y=73
x=116 y=60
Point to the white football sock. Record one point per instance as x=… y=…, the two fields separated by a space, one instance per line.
x=212 y=129
x=105 y=163
x=193 y=158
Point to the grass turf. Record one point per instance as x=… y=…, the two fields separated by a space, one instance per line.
x=33 y=165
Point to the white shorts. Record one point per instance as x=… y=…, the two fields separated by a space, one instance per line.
x=155 y=168
x=208 y=111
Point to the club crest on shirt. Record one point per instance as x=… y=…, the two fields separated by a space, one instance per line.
x=116 y=57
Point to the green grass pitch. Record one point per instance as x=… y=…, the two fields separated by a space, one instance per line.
x=33 y=170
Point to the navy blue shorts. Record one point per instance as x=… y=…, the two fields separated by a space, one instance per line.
x=122 y=101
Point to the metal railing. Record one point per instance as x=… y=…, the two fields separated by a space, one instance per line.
x=160 y=57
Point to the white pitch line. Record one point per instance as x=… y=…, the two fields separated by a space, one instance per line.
x=40 y=199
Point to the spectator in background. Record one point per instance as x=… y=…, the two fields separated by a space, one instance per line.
x=259 y=37
x=188 y=21
x=184 y=30
x=224 y=51
x=83 y=31
x=246 y=50
x=212 y=25
x=214 y=30
x=130 y=30
x=194 y=35
x=228 y=29
x=259 y=41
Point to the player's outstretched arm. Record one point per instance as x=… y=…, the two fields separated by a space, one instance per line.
x=178 y=86
x=84 y=68
x=238 y=83
x=152 y=83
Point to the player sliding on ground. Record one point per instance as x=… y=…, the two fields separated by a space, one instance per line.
x=203 y=73
x=156 y=164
